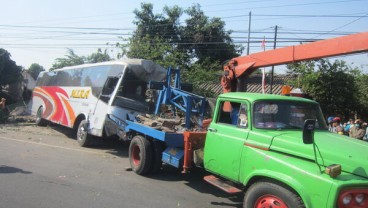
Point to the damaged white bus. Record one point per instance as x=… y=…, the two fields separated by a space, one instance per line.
x=95 y=99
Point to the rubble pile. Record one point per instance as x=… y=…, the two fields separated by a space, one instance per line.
x=171 y=124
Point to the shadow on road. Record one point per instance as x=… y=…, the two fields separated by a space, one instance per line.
x=194 y=179
x=7 y=169
x=110 y=144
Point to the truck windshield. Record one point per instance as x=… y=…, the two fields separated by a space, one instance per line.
x=286 y=115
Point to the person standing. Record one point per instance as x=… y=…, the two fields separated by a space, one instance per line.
x=2 y=103
x=357 y=131
x=336 y=126
x=349 y=124
x=365 y=137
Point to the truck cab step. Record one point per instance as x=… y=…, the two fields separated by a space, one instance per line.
x=222 y=184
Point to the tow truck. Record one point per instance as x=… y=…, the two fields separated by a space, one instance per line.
x=276 y=149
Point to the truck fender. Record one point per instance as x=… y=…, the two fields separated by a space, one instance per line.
x=277 y=177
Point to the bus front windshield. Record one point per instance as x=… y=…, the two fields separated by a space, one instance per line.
x=286 y=115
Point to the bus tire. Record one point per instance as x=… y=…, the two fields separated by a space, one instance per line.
x=84 y=139
x=140 y=155
x=269 y=194
x=157 y=148
x=39 y=120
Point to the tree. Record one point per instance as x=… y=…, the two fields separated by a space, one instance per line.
x=71 y=59
x=9 y=71
x=361 y=81
x=331 y=84
x=35 y=69
x=99 y=56
x=161 y=38
x=156 y=37
x=207 y=38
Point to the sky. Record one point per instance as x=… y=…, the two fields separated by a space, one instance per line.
x=40 y=31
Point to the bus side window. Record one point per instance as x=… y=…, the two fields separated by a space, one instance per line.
x=110 y=85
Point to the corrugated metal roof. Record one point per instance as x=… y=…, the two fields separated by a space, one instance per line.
x=254 y=84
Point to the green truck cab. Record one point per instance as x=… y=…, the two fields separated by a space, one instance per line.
x=259 y=146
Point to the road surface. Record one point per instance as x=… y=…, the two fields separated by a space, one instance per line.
x=43 y=167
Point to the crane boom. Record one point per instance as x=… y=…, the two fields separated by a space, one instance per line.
x=238 y=68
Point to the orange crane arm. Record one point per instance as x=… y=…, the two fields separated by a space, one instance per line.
x=349 y=44
x=237 y=69
x=245 y=65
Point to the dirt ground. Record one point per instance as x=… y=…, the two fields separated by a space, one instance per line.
x=27 y=124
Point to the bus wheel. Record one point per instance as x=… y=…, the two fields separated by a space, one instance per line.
x=140 y=155
x=268 y=194
x=83 y=138
x=39 y=120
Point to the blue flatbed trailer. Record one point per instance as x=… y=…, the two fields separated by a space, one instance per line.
x=149 y=146
x=170 y=139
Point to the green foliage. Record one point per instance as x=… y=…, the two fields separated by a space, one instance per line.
x=156 y=37
x=72 y=59
x=202 y=73
x=9 y=71
x=198 y=48
x=331 y=84
x=361 y=82
x=207 y=38
x=35 y=69
x=98 y=57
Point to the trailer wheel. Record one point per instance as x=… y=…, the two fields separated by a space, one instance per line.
x=140 y=155
x=39 y=120
x=158 y=148
x=84 y=139
x=268 y=194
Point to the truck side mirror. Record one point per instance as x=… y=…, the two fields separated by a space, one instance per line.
x=308 y=131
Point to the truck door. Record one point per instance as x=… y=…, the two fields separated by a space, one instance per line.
x=225 y=140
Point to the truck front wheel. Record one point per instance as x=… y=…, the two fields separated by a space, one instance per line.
x=268 y=194
x=140 y=155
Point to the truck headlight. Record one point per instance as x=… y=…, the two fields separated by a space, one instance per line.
x=354 y=197
x=347 y=199
x=359 y=198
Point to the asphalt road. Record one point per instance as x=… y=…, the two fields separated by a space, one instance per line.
x=43 y=167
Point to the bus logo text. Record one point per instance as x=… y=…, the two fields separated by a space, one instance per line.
x=80 y=94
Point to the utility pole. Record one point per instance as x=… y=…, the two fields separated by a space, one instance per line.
x=250 y=19
x=273 y=67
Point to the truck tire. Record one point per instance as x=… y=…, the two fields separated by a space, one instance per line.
x=140 y=155
x=158 y=148
x=84 y=139
x=268 y=194
x=39 y=120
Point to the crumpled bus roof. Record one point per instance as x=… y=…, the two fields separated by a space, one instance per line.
x=146 y=69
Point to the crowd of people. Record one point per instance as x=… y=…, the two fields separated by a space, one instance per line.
x=353 y=128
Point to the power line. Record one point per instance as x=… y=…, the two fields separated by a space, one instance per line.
x=287 y=5
x=298 y=15
x=72 y=28
x=351 y=22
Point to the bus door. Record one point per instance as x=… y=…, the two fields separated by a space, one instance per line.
x=97 y=118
